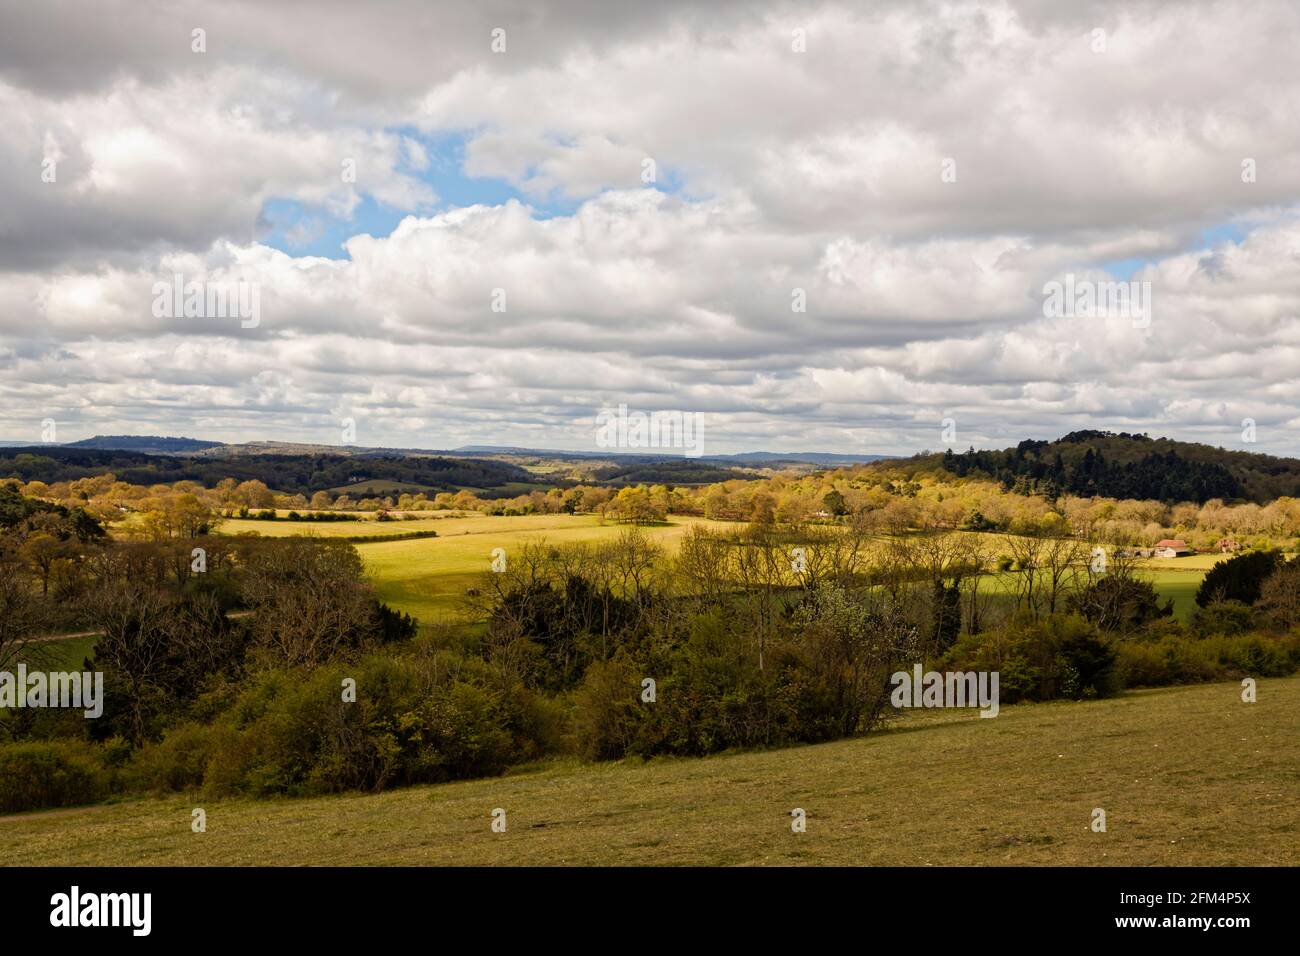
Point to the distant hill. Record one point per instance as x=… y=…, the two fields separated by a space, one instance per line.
x=809 y=457
x=290 y=473
x=674 y=472
x=1123 y=465
x=755 y=458
x=145 y=443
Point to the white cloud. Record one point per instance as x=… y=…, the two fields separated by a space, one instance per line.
x=775 y=170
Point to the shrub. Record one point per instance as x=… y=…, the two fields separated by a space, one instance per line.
x=1223 y=617
x=609 y=710
x=55 y=773
x=1179 y=660
x=178 y=762
x=1040 y=659
x=423 y=717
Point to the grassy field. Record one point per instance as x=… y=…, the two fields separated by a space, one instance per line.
x=337 y=529
x=64 y=654
x=428 y=577
x=1178 y=578
x=938 y=788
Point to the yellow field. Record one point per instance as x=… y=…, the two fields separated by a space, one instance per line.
x=427 y=577
x=335 y=529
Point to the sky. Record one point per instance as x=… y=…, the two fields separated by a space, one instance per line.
x=813 y=226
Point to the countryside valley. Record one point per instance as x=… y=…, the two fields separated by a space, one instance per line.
x=327 y=649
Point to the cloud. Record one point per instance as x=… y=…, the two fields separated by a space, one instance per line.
x=912 y=178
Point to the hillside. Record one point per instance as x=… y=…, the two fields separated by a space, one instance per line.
x=288 y=473
x=145 y=443
x=1122 y=465
x=940 y=788
x=678 y=472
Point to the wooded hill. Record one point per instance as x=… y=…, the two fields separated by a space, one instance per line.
x=292 y=474
x=1123 y=465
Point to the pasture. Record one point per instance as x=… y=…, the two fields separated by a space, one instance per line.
x=428 y=577
x=936 y=788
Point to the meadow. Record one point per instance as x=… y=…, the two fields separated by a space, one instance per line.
x=428 y=577
x=936 y=788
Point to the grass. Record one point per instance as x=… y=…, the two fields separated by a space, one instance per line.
x=1178 y=578
x=63 y=654
x=327 y=529
x=941 y=788
x=428 y=577
x=378 y=488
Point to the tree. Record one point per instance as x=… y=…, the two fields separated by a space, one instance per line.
x=833 y=502
x=1120 y=603
x=634 y=505
x=1238 y=579
x=310 y=600
x=42 y=551
x=946 y=603
x=182 y=516
x=855 y=641
x=22 y=611
x=1279 y=596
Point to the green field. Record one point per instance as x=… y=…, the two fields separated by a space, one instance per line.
x=330 y=529
x=63 y=654
x=935 y=789
x=379 y=488
x=428 y=577
x=1178 y=578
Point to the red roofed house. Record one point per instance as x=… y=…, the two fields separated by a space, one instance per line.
x=1172 y=548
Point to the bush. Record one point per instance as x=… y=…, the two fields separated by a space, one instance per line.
x=1179 y=660
x=176 y=763
x=825 y=680
x=56 y=773
x=609 y=710
x=1040 y=659
x=1223 y=617
x=424 y=717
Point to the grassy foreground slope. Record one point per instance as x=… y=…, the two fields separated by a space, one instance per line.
x=1186 y=775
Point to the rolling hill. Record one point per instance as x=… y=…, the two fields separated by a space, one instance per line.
x=1123 y=465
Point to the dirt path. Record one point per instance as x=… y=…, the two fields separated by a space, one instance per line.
x=233 y=616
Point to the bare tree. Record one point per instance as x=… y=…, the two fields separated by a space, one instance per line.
x=310 y=599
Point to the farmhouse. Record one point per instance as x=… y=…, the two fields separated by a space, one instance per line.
x=1172 y=548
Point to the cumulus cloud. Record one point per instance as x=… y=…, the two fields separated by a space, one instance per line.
x=852 y=217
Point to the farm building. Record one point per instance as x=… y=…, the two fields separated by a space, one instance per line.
x=1172 y=548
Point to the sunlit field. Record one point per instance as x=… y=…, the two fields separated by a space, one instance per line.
x=366 y=525
x=428 y=577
